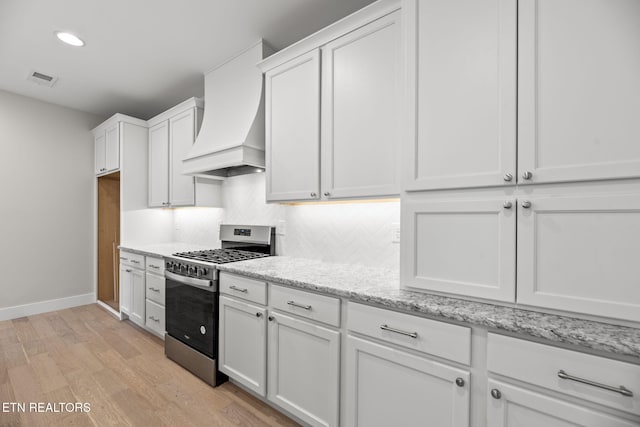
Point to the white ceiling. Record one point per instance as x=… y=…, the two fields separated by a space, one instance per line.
x=142 y=57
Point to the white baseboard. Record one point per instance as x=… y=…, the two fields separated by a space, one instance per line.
x=17 y=311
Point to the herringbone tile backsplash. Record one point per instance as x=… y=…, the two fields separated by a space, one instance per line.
x=354 y=233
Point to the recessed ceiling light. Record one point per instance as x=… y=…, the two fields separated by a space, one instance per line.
x=68 y=38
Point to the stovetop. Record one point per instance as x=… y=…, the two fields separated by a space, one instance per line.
x=220 y=256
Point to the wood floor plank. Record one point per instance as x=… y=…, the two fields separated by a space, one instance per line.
x=84 y=354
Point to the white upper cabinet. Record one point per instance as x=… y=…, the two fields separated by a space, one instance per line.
x=112 y=156
x=107 y=146
x=171 y=135
x=464 y=247
x=182 y=134
x=159 y=164
x=360 y=111
x=461 y=93
x=333 y=106
x=100 y=153
x=293 y=129
x=578 y=89
x=580 y=254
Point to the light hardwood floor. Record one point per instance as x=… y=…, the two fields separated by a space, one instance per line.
x=84 y=354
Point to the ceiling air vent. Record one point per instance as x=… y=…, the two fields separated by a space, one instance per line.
x=41 y=78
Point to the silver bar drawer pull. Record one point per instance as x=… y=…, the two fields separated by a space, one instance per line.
x=295 y=304
x=398 y=331
x=235 y=288
x=154 y=266
x=622 y=390
x=135 y=262
x=154 y=289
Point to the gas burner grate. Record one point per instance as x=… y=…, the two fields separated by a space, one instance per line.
x=220 y=256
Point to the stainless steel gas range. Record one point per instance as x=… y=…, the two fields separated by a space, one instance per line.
x=191 y=339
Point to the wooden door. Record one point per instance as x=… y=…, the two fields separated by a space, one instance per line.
x=387 y=387
x=578 y=89
x=159 y=165
x=361 y=93
x=292 y=114
x=464 y=247
x=461 y=93
x=242 y=344
x=304 y=369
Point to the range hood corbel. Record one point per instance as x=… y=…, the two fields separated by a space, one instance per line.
x=231 y=139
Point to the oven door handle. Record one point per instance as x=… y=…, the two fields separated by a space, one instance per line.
x=192 y=281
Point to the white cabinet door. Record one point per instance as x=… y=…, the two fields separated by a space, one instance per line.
x=242 y=352
x=100 y=153
x=293 y=129
x=578 y=89
x=361 y=74
x=388 y=387
x=512 y=406
x=112 y=156
x=181 y=137
x=136 y=313
x=159 y=165
x=460 y=247
x=580 y=254
x=125 y=289
x=461 y=93
x=303 y=369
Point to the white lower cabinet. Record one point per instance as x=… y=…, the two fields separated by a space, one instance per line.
x=155 y=317
x=304 y=369
x=387 y=387
x=388 y=384
x=514 y=406
x=554 y=387
x=242 y=348
x=132 y=294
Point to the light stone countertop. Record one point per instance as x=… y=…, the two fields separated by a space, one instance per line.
x=162 y=249
x=380 y=287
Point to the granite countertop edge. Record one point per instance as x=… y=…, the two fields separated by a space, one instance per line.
x=379 y=287
x=604 y=337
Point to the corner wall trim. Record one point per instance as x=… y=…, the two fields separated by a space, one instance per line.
x=17 y=311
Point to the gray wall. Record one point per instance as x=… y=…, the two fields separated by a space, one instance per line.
x=47 y=203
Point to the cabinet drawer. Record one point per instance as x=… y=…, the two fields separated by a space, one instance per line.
x=312 y=306
x=429 y=336
x=131 y=259
x=541 y=364
x=155 y=288
x=243 y=287
x=154 y=265
x=155 y=317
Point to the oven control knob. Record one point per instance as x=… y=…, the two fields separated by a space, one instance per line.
x=183 y=268
x=192 y=269
x=175 y=267
x=202 y=272
x=168 y=265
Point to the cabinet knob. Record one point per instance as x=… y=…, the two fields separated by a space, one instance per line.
x=507 y=177
x=527 y=175
x=327 y=194
x=507 y=204
x=459 y=382
x=314 y=195
x=271 y=318
x=495 y=393
x=258 y=314
x=526 y=204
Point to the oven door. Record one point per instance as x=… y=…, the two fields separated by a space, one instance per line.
x=191 y=306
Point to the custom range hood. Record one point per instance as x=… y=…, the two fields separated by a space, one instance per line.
x=231 y=139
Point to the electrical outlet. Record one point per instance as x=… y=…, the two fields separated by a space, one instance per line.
x=281 y=228
x=395 y=232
